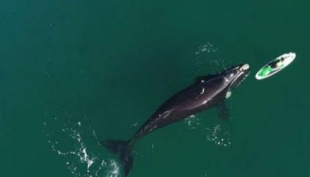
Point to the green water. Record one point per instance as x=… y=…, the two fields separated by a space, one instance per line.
x=73 y=72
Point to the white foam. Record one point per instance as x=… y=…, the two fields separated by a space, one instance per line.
x=208 y=47
x=115 y=169
x=193 y=122
x=219 y=137
x=78 y=156
x=207 y=59
x=216 y=134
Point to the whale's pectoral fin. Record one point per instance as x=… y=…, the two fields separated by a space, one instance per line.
x=223 y=111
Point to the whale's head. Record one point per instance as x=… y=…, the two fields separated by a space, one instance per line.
x=235 y=75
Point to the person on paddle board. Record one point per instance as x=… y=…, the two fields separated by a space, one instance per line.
x=277 y=64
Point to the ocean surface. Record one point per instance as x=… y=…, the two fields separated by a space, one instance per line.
x=76 y=72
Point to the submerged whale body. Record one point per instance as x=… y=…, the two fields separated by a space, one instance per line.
x=209 y=91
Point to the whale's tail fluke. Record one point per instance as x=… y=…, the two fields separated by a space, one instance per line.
x=124 y=149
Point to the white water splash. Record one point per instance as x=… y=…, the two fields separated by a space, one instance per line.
x=73 y=144
x=208 y=59
x=115 y=171
x=216 y=134
x=208 y=47
x=193 y=122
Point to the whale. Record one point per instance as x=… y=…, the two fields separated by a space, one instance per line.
x=206 y=92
